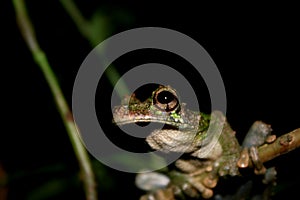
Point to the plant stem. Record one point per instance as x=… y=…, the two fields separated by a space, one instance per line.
x=40 y=58
x=86 y=29
x=281 y=145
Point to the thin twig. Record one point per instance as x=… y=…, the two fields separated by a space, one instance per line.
x=40 y=58
x=86 y=29
x=281 y=145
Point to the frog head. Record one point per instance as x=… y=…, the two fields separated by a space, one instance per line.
x=162 y=106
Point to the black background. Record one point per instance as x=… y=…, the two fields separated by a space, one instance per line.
x=255 y=47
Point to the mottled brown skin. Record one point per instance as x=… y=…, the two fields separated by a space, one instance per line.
x=208 y=141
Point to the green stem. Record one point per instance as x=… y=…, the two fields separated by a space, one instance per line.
x=85 y=29
x=81 y=23
x=40 y=58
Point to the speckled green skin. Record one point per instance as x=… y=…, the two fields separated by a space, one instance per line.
x=193 y=133
x=189 y=128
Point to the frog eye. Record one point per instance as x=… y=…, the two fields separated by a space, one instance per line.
x=166 y=99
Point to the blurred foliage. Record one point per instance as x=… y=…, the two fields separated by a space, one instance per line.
x=102 y=23
x=52 y=180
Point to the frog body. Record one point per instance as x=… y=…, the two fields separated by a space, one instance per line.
x=207 y=155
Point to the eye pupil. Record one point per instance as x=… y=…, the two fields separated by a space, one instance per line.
x=165 y=97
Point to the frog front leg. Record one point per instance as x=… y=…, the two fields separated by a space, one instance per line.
x=176 y=185
x=199 y=175
x=258 y=134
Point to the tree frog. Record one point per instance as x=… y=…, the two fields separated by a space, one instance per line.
x=206 y=157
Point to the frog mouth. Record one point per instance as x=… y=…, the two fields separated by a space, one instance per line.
x=144 y=120
x=122 y=116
